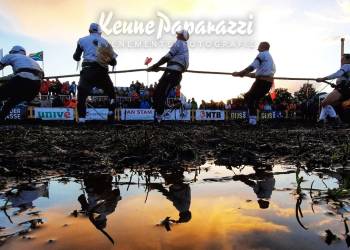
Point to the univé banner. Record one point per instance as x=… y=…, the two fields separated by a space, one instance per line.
x=210 y=115
x=54 y=114
x=137 y=114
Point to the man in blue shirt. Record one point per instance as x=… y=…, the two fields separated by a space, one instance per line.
x=24 y=84
x=177 y=62
x=265 y=71
x=98 y=54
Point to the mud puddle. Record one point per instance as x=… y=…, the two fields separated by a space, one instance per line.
x=205 y=207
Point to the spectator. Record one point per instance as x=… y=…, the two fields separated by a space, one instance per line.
x=228 y=105
x=203 y=105
x=145 y=104
x=73 y=89
x=44 y=88
x=188 y=105
x=55 y=87
x=65 y=88
x=57 y=101
x=194 y=104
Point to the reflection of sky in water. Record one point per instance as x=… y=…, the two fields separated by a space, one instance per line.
x=225 y=215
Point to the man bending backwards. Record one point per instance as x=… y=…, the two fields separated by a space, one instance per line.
x=177 y=62
x=24 y=84
x=341 y=91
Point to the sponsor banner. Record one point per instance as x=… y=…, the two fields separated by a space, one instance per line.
x=137 y=114
x=269 y=115
x=238 y=115
x=97 y=114
x=210 y=115
x=177 y=115
x=54 y=114
x=17 y=113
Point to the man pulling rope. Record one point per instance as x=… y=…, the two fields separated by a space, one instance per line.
x=341 y=91
x=265 y=71
x=177 y=62
x=97 y=54
x=24 y=84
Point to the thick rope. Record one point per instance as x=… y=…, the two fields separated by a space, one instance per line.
x=193 y=72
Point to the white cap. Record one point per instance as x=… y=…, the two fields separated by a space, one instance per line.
x=184 y=33
x=17 y=50
x=95 y=28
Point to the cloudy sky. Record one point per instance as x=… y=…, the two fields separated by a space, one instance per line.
x=304 y=35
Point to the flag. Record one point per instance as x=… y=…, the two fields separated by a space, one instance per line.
x=39 y=56
x=273 y=94
x=148 y=60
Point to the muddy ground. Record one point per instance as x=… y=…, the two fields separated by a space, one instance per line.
x=28 y=151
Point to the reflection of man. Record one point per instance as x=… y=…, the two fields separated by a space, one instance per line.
x=101 y=200
x=179 y=193
x=262 y=182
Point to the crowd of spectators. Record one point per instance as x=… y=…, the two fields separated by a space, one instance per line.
x=139 y=95
x=55 y=87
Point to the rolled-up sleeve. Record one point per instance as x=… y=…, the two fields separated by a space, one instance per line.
x=337 y=74
x=257 y=62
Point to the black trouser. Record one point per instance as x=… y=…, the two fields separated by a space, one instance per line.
x=169 y=80
x=344 y=90
x=259 y=89
x=15 y=91
x=92 y=76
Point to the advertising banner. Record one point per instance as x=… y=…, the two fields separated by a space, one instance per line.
x=96 y=114
x=210 y=115
x=17 y=113
x=54 y=114
x=237 y=115
x=137 y=114
x=270 y=115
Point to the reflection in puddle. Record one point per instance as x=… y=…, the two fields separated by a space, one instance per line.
x=210 y=207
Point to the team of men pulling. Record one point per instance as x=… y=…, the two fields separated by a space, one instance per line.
x=24 y=83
